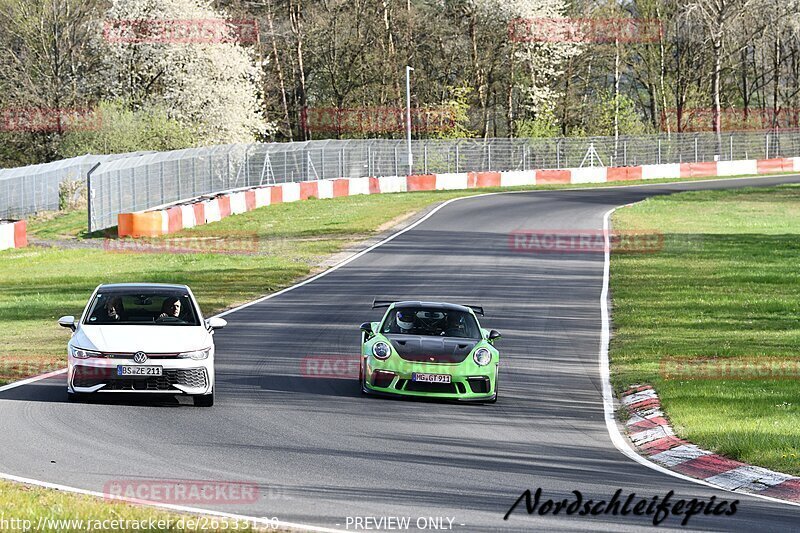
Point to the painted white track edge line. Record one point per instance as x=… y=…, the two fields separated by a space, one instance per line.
x=33 y=379
x=608 y=403
x=619 y=441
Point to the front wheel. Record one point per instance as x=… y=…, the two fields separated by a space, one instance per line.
x=361 y=378
x=205 y=400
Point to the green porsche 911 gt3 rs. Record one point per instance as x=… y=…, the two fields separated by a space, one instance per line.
x=436 y=350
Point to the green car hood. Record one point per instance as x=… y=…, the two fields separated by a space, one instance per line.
x=432 y=349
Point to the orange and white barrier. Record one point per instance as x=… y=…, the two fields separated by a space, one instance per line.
x=204 y=210
x=13 y=234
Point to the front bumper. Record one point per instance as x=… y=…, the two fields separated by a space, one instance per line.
x=468 y=381
x=179 y=376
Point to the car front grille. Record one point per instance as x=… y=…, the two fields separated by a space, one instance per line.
x=479 y=385
x=85 y=376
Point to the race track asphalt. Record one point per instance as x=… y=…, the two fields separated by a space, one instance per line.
x=320 y=452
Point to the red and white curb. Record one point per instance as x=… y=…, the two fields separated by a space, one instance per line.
x=13 y=234
x=652 y=435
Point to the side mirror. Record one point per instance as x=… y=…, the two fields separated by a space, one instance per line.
x=366 y=331
x=494 y=335
x=216 y=323
x=67 y=322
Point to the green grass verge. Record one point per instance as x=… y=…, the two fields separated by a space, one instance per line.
x=711 y=320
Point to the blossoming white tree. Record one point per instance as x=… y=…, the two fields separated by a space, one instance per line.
x=211 y=84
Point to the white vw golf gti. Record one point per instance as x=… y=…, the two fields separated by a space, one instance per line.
x=142 y=337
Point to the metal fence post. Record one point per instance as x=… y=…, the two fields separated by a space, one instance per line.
x=558 y=153
x=90 y=198
x=147 y=182
x=228 y=168
x=458 y=162
x=731 y=142
x=696 y=153
x=425 y=156
x=119 y=190
x=396 y=172
x=659 y=152
x=161 y=180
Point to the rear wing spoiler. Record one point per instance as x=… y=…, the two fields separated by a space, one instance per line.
x=376 y=304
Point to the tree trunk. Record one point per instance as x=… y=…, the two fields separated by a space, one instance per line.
x=279 y=70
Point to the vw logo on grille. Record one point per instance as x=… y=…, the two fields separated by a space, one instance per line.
x=139 y=357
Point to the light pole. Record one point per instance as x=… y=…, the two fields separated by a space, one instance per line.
x=408 y=118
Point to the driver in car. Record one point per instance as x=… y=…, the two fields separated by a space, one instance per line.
x=405 y=321
x=113 y=308
x=171 y=308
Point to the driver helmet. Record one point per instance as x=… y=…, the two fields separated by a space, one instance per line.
x=405 y=320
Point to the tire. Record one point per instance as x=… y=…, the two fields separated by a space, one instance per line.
x=362 y=380
x=204 y=400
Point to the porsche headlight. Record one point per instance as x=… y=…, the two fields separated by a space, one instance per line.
x=381 y=350
x=197 y=355
x=482 y=357
x=80 y=353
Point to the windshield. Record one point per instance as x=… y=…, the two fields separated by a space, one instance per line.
x=431 y=322
x=143 y=307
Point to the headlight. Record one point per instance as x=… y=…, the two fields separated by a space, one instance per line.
x=381 y=350
x=196 y=355
x=80 y=353
x=482 y=357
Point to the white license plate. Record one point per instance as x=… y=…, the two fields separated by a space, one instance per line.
x=144 y=371
x=431 y=378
